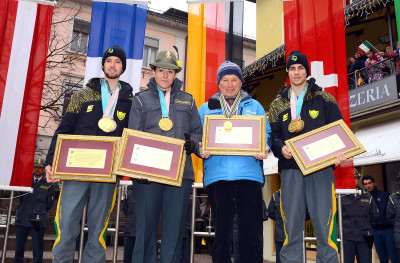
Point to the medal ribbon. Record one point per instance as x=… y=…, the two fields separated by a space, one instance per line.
x=163 y=102
x=296 y=103
x=228 y=110
x=109 y=101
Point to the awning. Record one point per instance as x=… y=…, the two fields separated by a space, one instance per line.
x=382 y=142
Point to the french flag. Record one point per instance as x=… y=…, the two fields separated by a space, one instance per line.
x=117 y=24
x=24 y=39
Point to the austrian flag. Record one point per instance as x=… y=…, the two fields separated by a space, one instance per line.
x=24 y=37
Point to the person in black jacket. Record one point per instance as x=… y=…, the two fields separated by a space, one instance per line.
x=356 y=64
x=274 y=212
x=299 y=108
x=200 y=224
x=393 y=212
x=129 y=209
x=86 y=114
x=358 y=211
x=31 y=216
x=382 y=228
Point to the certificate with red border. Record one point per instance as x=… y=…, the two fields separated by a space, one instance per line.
x=153 y=157
x=246 y=137
x=85 y=158
x=317 y=149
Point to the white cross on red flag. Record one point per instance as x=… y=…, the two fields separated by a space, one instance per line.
x=24 y=38
x=316 y=29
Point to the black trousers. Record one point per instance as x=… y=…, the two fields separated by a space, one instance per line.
x=37 y=243
x=245 y=198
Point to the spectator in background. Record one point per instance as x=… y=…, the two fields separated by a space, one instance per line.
x=356 y=64
x=274 y=212
x=393 y=212
x=375 y=71
x=201 y=221
x=358 y=211
x=393 y=54
x=382 y=228
x=188 y=229
x=128 y=208
x=31 y=216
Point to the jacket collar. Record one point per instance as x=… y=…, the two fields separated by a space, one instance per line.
x=176 y=86
x=125 y=92
x=312 y=87
x=213 y=102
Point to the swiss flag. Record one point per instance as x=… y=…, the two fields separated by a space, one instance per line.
x=316 y=28
x=24 y=38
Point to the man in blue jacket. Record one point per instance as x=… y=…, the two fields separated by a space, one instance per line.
x=233 y=183
x=31 y=215
x=382 y=228
x=393 y=212
x=358 y=211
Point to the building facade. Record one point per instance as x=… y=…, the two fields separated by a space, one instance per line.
x=67 y=56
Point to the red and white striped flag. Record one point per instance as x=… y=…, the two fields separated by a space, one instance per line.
x=24 y=38
x=316 y=28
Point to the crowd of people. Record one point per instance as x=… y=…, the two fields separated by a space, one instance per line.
x=367 y=67
x=233 y=184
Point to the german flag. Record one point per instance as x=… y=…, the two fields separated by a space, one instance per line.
x=215 y=34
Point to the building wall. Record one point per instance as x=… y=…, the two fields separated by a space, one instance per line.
x=66 y=12
x=270 y=28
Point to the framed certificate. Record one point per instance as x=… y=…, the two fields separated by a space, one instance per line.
x=153 y=157
x=85 y=158
x=239 y=135
x=317 y=149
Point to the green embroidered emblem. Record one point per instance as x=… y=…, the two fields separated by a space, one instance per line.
x=314 y=113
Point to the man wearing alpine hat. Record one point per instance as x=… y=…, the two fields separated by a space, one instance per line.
x=166 y=110
x=100 y=109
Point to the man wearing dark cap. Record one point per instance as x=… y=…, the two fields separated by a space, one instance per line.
x=299 y=108
x=100 y=109
x=31 y=216
x=358 y=211
x=393 y=212
x=166 y=110
x=233 y=183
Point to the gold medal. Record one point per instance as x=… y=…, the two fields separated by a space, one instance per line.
x=107 y=124
x=165 y=124
x=296 y=125
x=227 y=125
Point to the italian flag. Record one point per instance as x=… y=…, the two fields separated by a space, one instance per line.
x=364 y=48
x=24 y=39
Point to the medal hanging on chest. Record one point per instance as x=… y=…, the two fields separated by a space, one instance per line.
x=107 y=123
x=296 y=124
x=165 y=123
x=228 y=110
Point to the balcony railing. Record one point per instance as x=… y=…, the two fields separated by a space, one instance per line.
x=373 y=73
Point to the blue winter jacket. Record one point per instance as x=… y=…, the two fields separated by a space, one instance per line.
x=231 y=168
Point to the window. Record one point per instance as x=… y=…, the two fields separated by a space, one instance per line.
x=80 y=36
x=150 y=50
x=69 y=88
